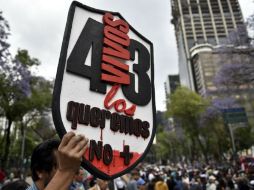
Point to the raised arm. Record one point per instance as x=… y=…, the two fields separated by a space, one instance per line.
x=69 y=155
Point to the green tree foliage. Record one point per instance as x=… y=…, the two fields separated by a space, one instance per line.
x=170 y=147
x=24 y=57
x=15 y=93
x=205 y=133
x=184 y=103
x=202 y=124
x=23 y=97
x=244 y=137
x=186 y=106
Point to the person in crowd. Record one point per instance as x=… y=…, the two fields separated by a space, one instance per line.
x=222 y=184
x=141 y=184
x=196 y=183
x=77 y=183
x=203 y=181
x=103 y=184
x=171 y=180
x=15 y=185
x=120 y=183
x=54 y=163
x=160 y=185
x=211 y=183
x=2 y=177
x=132 y=184
x=99 y=184
x=151 y=175
x=179 y=183
x=242 y=183
x=91 y=181
x=251 y=185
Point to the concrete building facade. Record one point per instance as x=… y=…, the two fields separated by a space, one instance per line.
x=200 y=26
x=209 y=34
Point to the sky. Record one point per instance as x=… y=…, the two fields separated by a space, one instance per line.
x=38 y=26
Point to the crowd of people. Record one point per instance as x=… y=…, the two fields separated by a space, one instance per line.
x=158 y=177
x=56 y=165
x=180 y=177
x=171 y=177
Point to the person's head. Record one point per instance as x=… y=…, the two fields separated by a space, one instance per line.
x=135 y=174
x=80 y=175
x=103 y=184
x=141 y=183
x=212 y=179
x=92 y=180
x=44 y=161
x=16 y=185
x=160 y=185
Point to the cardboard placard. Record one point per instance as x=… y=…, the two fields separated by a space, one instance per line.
x=104 y=89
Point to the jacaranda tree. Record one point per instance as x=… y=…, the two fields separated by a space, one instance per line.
x=22 y=94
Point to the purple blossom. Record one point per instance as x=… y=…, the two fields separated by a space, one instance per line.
x=22 y=78
x=239 y=36
x=224 y=103
x=234 y=75
x=4 y=33
x=211 y=114
x=17 y=75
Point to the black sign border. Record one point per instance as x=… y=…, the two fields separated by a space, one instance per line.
x=58 y=86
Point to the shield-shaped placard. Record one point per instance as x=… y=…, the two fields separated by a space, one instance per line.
x=104 y=89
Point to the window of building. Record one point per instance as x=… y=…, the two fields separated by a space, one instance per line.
x=211 y=41
x=208 y=74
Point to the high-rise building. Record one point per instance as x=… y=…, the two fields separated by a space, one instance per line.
x=209 y=34
x=171 y=84
x=201 y=26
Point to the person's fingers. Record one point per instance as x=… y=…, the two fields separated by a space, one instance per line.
x=66 y=138
x=80 y=145
x=74 y=141
x=83 y=150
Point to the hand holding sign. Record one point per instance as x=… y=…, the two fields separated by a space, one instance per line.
x=71 y=151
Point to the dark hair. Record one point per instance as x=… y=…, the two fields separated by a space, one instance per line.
x=16 y=185
x=43 y=157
